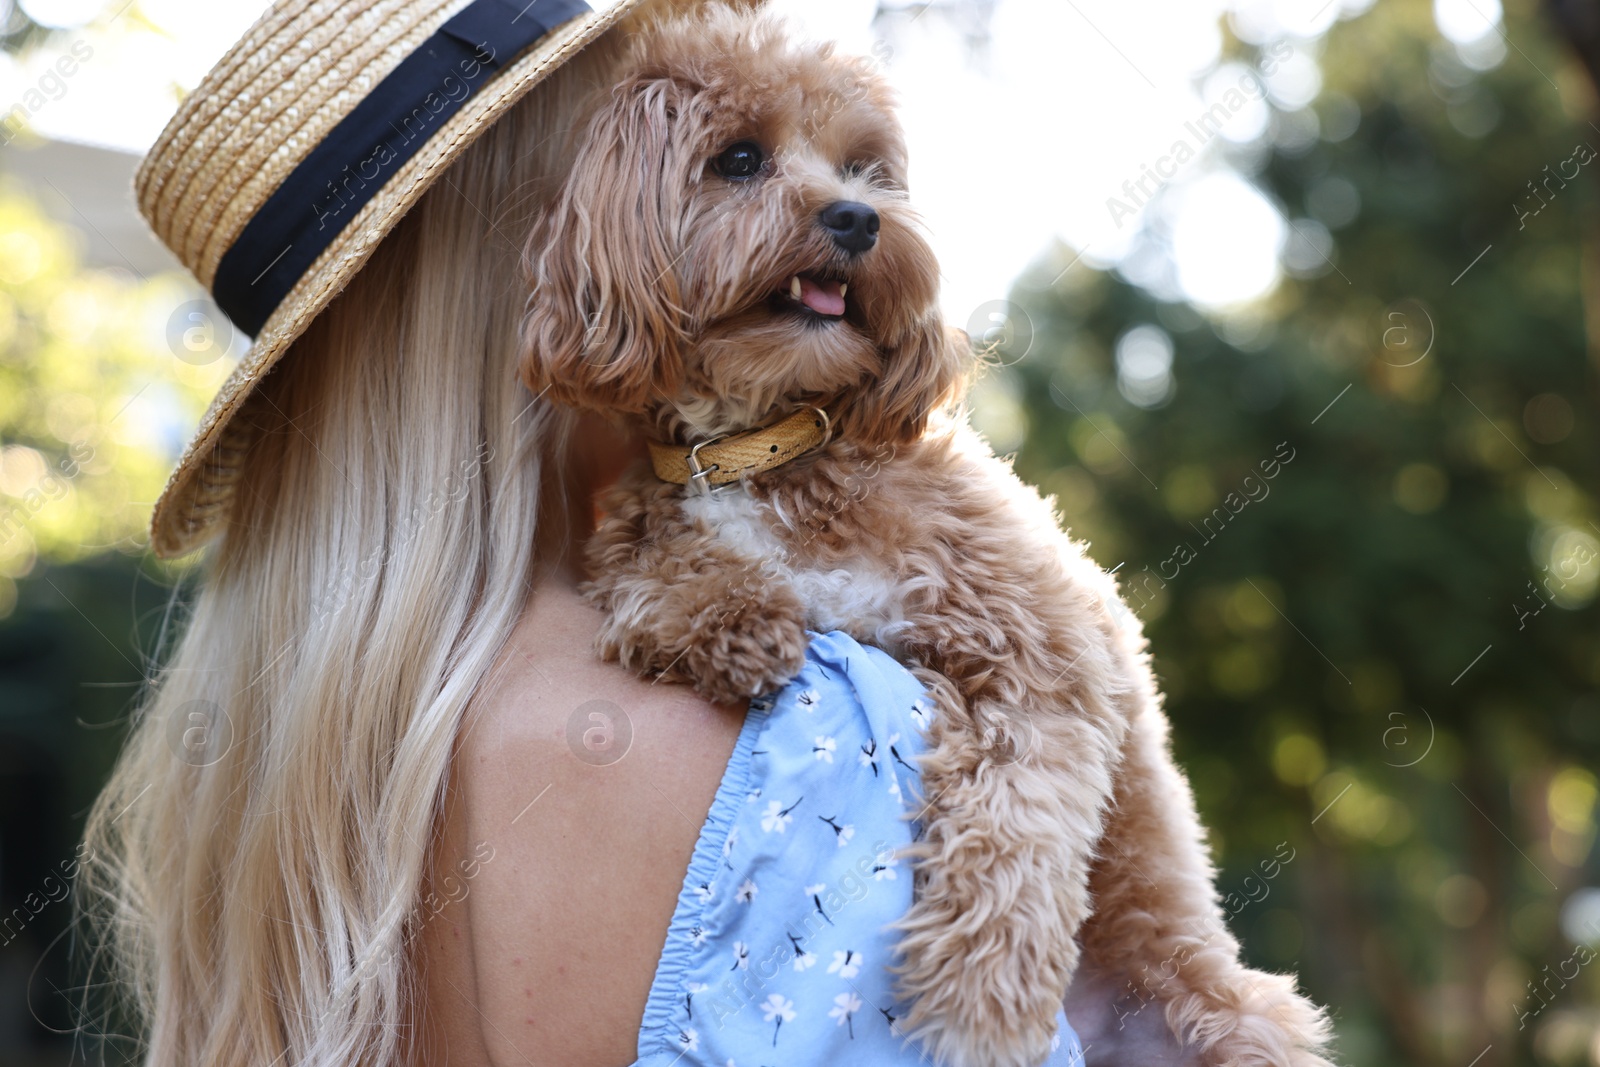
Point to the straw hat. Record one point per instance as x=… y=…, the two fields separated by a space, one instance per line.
x=281 y=174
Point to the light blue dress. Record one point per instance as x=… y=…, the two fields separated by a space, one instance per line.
x=778 y=953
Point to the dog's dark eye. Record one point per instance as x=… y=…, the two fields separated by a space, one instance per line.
x=740 y=161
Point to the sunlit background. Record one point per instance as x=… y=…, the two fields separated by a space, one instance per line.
x=1116 y=85
x=1350 y=243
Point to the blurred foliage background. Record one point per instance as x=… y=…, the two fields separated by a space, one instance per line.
x=89 y=338
x=80 y=600
x=1358 y=519
x=1357 y=516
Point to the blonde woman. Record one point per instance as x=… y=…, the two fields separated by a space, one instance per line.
x=384 y=805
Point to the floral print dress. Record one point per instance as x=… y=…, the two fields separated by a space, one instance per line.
x=778 y=953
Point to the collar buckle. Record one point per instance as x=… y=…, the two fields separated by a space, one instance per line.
x=699 y=473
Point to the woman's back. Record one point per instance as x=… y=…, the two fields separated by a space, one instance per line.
x=558 y=875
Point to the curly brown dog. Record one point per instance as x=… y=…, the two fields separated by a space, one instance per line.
x=734 y=248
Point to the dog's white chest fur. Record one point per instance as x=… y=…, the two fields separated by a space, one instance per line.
x=862 y=599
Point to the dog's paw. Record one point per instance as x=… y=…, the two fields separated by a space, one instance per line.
x=983 y=1027
x=746 y=650
x=985 y=970
x=1253 y=1019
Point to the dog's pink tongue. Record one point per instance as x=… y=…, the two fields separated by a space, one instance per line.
x=822 y=297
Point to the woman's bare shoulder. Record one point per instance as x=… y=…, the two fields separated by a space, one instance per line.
x=577 y=794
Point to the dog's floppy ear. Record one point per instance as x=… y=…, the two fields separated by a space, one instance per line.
x=926 y=369
x=604 y=327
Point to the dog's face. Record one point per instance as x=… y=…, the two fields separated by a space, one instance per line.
x=734 y=240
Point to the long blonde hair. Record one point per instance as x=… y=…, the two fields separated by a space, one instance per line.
x=254 y=863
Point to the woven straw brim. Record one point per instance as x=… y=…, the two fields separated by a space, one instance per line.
x=234 y=141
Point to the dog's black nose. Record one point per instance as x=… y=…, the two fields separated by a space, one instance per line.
x=853 y=226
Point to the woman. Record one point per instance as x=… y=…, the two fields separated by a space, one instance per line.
x=383 y=805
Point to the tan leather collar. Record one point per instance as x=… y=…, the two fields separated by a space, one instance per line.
x=723 y=460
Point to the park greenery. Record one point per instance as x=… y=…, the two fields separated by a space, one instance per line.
x=78 y=349
x=1358 y=520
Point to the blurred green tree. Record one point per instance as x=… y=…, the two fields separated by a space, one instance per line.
x=1359 y=523
x=98 y=381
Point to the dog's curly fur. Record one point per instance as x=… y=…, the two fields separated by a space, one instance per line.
x=1055 y=815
